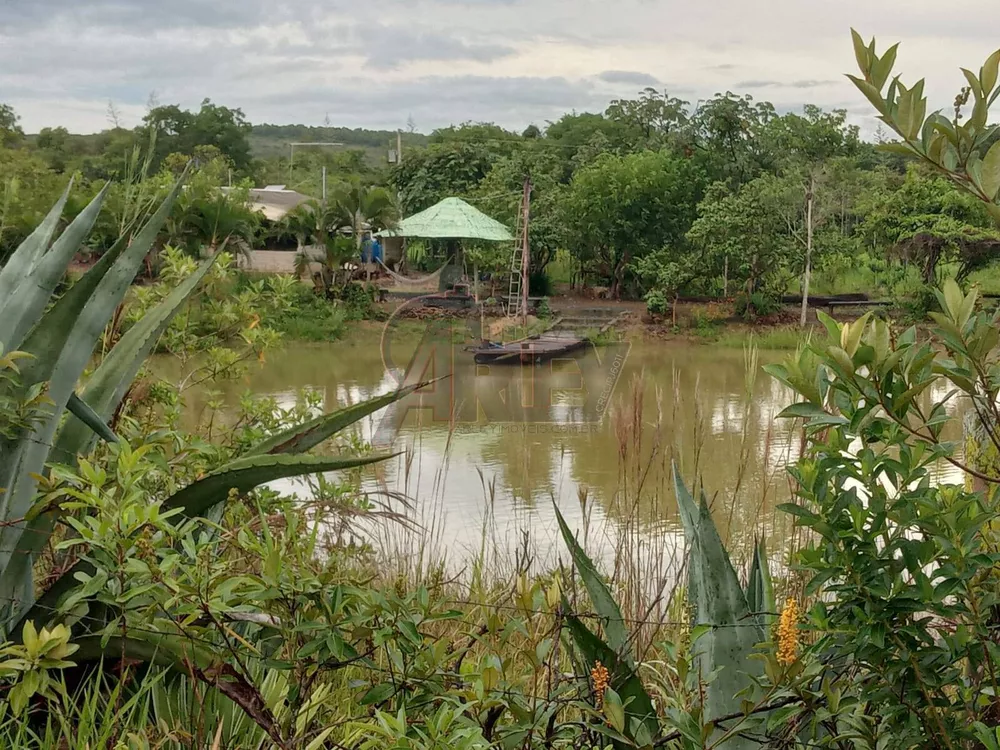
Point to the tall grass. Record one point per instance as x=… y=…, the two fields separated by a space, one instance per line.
x=635 y=535
x=783 y=338
x=841 y=279
x=102 y=713
x=316 y=321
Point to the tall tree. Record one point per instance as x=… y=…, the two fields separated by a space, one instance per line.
x=804 y=144
x=731 y=132
x=744 y=236
x=500 y=192
x=656 y=117
x=455 y=162
x=620 y=208
x=10 y=128
x=54 y=142
x=579 y=138
x=181 y=131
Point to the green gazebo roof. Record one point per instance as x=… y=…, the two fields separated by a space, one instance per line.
x=452 y=218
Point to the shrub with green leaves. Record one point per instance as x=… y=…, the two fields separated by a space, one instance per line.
x=656 y=302
x=60 y=339
x=957 y=147
x=755 y=305
x=32 y=662
x=903 y=566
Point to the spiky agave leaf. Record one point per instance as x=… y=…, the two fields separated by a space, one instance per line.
x=602 y=598
x=303 y=437
x=51 y=335
x=616 y=653
x=24 y=258
x=23 y=461
x=45 y=341
x=170 y=650
x=89 y=418
x=106 y=388
x=26 y=300
x=622 y=677
x=243 y=474
x=760 y=590
x=719 y=603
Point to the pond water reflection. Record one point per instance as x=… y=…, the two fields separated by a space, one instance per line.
x=485 y=477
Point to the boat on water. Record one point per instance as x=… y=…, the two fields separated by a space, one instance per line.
x=532 y=350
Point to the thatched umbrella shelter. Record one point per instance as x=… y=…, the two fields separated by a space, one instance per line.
x=450 y=219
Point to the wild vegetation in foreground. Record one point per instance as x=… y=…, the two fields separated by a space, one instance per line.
x=155 y=592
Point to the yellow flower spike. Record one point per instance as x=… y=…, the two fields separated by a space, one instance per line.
x=788 y=633
x=601 y=678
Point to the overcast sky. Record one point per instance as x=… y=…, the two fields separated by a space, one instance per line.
x=376 y=63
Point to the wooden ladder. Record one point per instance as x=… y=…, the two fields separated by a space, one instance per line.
x=516 y=259
x=514 y=290
x=518 y=268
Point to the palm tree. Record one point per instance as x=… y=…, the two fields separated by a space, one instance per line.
x=361 y=207
x=312 y=223
x=338 y=251
x=353 y=207
x=223 y=223
x=205 y=221
x=300 y=223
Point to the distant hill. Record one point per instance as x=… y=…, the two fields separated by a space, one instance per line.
x=269 y=141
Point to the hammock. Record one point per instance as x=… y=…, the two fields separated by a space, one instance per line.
x=415 y=282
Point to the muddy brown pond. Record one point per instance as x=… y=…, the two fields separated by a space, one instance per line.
x=488 y=453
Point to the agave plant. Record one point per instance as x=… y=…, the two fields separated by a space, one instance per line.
x=728 y=621
x=56 y=341
x=727 y=625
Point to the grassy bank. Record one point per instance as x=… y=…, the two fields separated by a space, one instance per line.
x=305 y=316
x=702 y=328
x=781 y=338
x=311 y=319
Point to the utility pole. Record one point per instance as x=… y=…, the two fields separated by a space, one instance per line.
x=291 y=153
x=399 y=146
x=809 y=248
x=525 y=250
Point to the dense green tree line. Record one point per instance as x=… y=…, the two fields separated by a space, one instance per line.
x=652 y=198
x=216 y=143
x=656 y=198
